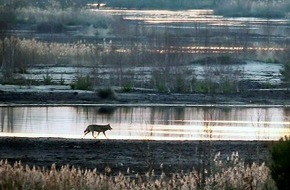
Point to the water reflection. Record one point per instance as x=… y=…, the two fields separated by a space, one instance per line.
x=148 y=122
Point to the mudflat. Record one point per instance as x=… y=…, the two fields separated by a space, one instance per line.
x=119 y=155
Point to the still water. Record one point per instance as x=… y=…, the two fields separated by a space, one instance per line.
x=148 y=122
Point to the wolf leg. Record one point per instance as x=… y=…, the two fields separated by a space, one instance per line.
x=85 y=134
x=105 y=134
x=97 y=135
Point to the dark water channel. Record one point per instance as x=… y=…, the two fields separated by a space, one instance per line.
x=148 y=122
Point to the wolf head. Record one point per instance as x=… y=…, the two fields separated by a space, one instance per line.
x=87 y=129
x=109 y=127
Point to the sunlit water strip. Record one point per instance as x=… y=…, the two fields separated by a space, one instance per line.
x=148 y=122
x=213 y=133
x=192 y=15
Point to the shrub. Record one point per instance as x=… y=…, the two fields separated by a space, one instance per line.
x=127 y=87
x=61 y=81
x=268 y=85
x=106 y=93
x=82 y=83
x=161 y=88
x=227 y=87
x=203 y=87
x=280 y=166
x=159 y=79
x=47 y=79
x=180 y=85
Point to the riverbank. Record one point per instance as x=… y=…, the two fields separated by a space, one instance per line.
x=13 y=94
x=119 y=155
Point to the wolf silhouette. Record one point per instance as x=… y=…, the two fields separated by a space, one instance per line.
x=97 y=128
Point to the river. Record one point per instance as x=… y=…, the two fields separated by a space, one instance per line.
x=148 y=122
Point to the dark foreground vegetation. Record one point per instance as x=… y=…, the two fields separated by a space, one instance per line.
x=280 y=165
x=74 y=164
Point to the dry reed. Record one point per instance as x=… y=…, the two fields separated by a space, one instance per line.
x=233 y=174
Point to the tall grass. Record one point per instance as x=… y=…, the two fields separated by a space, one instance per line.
x=30 y=52
x=229 y=174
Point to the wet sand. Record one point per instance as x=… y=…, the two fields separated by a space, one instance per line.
x=119 y=155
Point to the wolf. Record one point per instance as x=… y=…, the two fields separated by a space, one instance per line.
x=97 y=128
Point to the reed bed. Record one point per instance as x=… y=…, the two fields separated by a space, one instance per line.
x=233 y=174
x=68 y=16
x=23 y=52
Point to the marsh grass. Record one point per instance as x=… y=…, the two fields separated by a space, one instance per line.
x=19 y=54
x=68 y=16
x=229 y=174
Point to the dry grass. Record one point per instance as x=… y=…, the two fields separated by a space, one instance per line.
x=30 y=51
x=233 y=174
